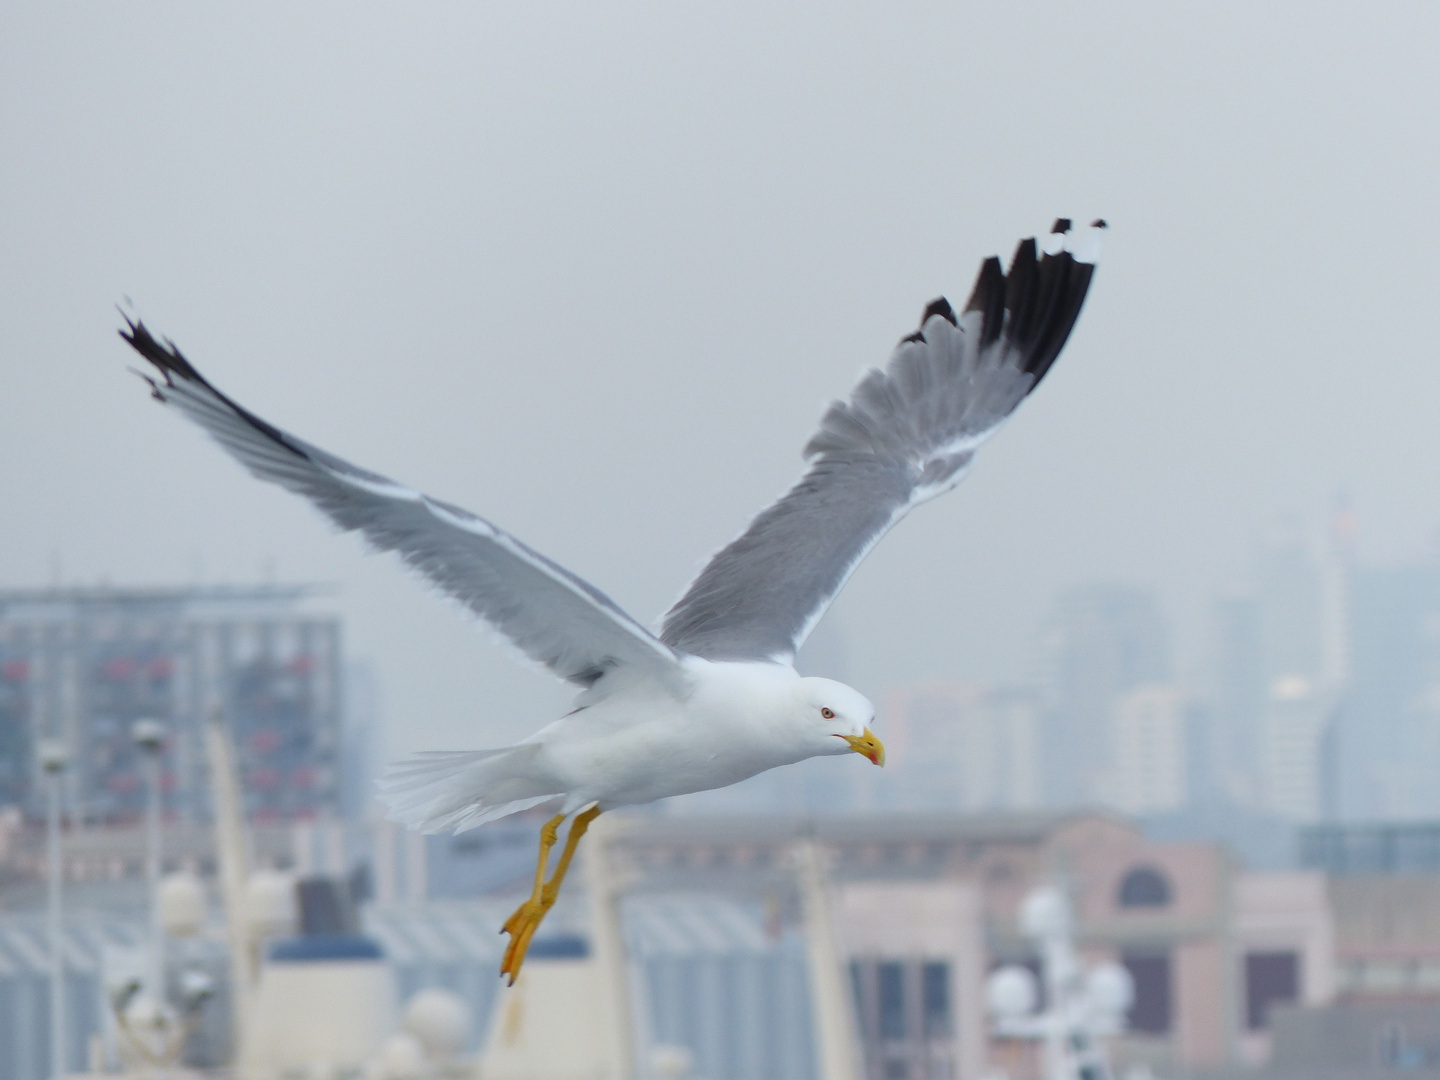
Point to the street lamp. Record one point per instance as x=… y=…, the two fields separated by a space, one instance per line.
x=149 y=738
x=52 y=756
x=1081 y=1006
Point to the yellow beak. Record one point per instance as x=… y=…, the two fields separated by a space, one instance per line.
x=867 y=746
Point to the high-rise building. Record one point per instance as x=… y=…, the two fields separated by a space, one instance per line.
x=360 y=759
x=1238 y=698
x=960 y=746
x=1292 y=743
x=1387 y=730
x=1282 y=660
x=1148 y=751
x=1415 y=771
x=1101 y=641
x=82 y=665
x=1289 y=588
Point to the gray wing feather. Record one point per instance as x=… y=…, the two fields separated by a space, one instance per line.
x=907 y=434
x=553 y=616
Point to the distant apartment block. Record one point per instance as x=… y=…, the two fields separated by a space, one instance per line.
x=1293 y=732
x=1281 y=657
x=960 y=746
x=1388 y=732
x=1101 y=641
x=83 y=664
x=1238 y=694
x=1384 y=884
x=1147 y=746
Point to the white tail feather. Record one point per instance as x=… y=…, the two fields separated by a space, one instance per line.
x=456 y=790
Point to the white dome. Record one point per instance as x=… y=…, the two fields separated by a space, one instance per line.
x=440 y=1022
x=1111 y=989
x=400 y=1058
x=196 y=986
x=182 y=903
x=270 y=903
x=1045 y=913
x=1011 y=992
x=143 y=1012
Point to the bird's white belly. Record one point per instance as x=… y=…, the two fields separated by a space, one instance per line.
x=648 y=761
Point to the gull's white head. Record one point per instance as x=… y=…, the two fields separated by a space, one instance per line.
x=837 y=720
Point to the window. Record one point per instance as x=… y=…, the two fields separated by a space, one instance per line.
x=1150 y=1015
x=935 y=994
x=1270 y=977
x=1144 y=886
x=904 y=1013
x=890 y=989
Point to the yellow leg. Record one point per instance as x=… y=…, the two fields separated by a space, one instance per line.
x=522 y=924
x=549 y=832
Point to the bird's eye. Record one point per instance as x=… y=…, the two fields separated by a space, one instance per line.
x=828 y=713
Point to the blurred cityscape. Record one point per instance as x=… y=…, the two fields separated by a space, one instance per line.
x=1258 y=847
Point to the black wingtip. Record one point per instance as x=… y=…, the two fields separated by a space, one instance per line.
x=988 y=298
x=166 y=358
x=939 y=306
x=1099 y=223
x=1035 y=304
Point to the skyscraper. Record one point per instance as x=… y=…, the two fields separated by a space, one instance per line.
x=1281 y=664
x=961 y=746
x=82 y=665
x=1148 y=751
x=1289 y=590
x=1239 y=693
x=1101 y=641
x=1292 y=736
x=1387 y=740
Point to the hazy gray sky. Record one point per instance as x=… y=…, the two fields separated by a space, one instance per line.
x=593 y=271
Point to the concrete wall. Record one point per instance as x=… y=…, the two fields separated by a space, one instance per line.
x=920 y=921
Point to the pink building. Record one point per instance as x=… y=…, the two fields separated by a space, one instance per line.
x=927 y=907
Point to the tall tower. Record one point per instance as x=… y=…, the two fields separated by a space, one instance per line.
x=1337 y=588
x=1101 y=641
x=1239 y=693
x=1280 y=660
x=1147 y=739
x=1292 y=743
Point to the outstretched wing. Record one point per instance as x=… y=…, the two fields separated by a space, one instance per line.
x=552 y=615
x=907 y=434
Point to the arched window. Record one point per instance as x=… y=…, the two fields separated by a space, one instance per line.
x=1144 y=886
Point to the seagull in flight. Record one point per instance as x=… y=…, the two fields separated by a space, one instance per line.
x=712 y=698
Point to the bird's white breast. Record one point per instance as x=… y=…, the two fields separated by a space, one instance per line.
x=641 y=745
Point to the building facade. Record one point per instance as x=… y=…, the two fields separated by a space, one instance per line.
x=1293 y=740
x=928 y=904
x=1100 y=642
x=1148 y=751
x=1384 y=882
x=1389 y=730
x=950 y=745
x=82 y=665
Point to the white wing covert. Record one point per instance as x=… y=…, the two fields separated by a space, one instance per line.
x=552 y=615
x=907 y=434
